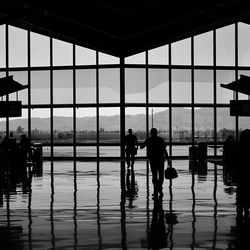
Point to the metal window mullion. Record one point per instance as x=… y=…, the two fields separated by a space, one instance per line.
x=51 y=99
x=192 y=92
x=7 y=69
x=215 y=91
x=170 y=100
x=97 y=106
x=147 y=134
x=74 y=103
x=236 y=76
x=29 y=86
x=122 y=107
x=147 y=95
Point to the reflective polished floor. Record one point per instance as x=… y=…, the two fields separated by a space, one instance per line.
x=103 y=205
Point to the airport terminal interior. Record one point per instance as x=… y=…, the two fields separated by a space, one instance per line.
x=76 y=76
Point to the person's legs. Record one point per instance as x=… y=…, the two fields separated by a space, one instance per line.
x=161 y=179
x=154 y=177
x=159 y=169
x=127 y=152
x=132 y=159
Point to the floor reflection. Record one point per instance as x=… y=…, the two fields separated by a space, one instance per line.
x=157 y=236
x=100 y=205
x=131 y=187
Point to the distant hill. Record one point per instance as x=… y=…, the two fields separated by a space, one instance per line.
x=181 y=121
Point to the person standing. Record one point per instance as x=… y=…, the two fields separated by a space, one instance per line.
x=156 y=153
x=131 y=147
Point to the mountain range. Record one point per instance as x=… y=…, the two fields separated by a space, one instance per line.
x=181 y=120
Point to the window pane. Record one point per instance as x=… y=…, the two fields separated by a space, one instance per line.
x=135 y=118
x=86 y=151
x=181 y=150
x=18 y=54
x=109 y=85
x=225 y=46
x=181 y=52
x=63 y=125
x=62 y=53
x=109 y=151
x=86 y=86
x=244 y=123
x=109 y=125
x=62 y=86
x=158 y=55
x=158 y=86
x=203 y=49
x=40 y=87
x=243 y=44
x=21 y=77
x=86 y=125
x=181 y=125
x=108 y=59
x=85 y=56
x=136 y=59
x=40 y=50
x=19 y=125
x=63 y=151
x=181 y=86
x=2 y=128
x=135 y=85
x=224 y=77
x=225 y=124
x=40 y=125
x=2 y=47
x=204 y=124
x=203 y=86
x=2 y=74
x=46 y=151
x=159 y=118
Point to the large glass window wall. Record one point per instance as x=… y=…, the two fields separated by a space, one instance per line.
x=79 y=105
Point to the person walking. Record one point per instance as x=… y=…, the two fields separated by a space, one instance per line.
x=156 y=153
x=131 y=147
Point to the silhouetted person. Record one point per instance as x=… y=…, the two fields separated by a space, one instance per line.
x=229 y=151
x=229 y=139
x=131 y=147
x=243 y=183
x=9 y=146
x=4 y=161
x=25 y=145
x=24 y=151
x=156 y=152
x=12 y=142
x=157 y=236
x=5 y=143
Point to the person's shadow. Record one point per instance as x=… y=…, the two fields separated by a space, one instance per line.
x=131 y=187
x=157 y=235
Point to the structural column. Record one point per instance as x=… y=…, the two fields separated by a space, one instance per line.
x=122 y=107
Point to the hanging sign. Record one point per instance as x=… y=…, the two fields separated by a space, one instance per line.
x=10 y=109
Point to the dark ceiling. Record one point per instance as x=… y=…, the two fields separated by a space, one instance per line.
x=122 y=27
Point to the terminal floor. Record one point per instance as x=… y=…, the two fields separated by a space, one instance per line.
x=96 y=205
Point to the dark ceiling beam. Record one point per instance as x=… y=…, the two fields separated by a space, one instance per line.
x=29 y=13
x=122 y=28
